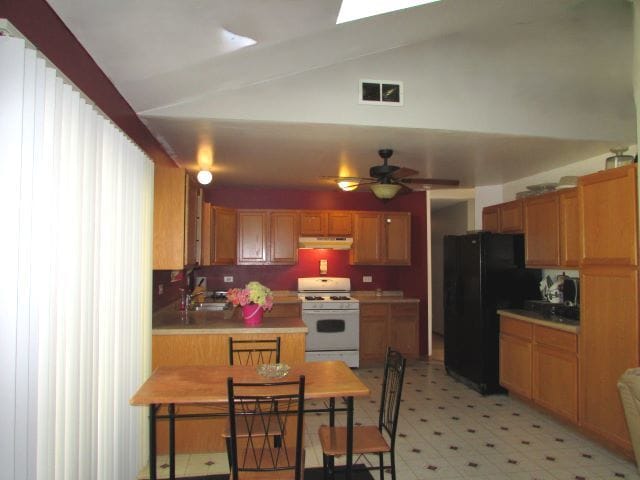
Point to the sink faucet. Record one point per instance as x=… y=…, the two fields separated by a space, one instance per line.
x=191 y=300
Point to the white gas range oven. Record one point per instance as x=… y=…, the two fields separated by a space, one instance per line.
x=332 y=317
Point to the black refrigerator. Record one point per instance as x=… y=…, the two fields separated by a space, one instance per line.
x=483 y=272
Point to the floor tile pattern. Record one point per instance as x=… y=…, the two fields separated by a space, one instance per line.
x=448 y=431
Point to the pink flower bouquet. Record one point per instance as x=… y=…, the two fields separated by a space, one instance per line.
x=252 y=293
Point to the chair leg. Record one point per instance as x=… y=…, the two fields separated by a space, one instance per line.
x=328 y=467
x=381 y=460
x=227 y=440
x=393 y=464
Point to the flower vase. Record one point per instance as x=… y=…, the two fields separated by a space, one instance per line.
x=252 y=314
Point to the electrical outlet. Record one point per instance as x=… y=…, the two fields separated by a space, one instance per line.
x=367 y=279
x=160 y=289
x=228 y=279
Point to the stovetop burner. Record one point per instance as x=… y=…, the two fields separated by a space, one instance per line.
x=310 y=297
x=339 y=297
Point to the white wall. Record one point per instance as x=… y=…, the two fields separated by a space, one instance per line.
x=446 y=221
x=584 y=167
x=485 y=196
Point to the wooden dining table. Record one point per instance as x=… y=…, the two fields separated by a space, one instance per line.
x=207 y=385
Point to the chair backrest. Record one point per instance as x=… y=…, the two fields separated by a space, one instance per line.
x=254 y=352
x=394 y=367
x=273 y=407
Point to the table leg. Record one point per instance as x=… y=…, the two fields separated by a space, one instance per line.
x=172 y=441
x=152 y=442
x=349 y=437
x=332 y=412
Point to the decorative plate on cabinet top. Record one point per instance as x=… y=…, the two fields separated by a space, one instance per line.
x=543 y=187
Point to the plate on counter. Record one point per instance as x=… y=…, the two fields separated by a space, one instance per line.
x=273 y=370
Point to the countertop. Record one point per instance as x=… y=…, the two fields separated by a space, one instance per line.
x=386 y=297
x=533 y=317
x=169 y=321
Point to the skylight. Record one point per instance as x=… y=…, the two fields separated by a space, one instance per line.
x=356 y=9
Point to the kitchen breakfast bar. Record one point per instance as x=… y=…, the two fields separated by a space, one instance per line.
x=186 y=393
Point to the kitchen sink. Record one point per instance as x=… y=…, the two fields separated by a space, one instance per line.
x=213 y=306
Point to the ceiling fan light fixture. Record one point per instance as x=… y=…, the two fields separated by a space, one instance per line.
x=204 y=177
x=347 y=185
x=385 y=191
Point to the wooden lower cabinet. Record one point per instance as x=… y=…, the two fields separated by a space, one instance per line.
x=609 y=345
x=516 y=364
x=540 y=363
x=384 y=325
x=555 y=381
x=374 y=339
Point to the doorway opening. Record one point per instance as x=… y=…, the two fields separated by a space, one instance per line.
x=451 y=212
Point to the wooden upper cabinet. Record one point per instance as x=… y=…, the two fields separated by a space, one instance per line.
x=503 y=218
x=253 y=230
x=320 y=223
x=569 y=228
x=541 y=230
x=381 y=238
x=175 y=217
x=511 y=217
x=266 y=237
x=224 y=234
x=608 y=217
x=194 y=201
x=367 y=239
x=313 y=223
x=397 y=238
x=491 y=219
x=339 y=223
x=284 y=233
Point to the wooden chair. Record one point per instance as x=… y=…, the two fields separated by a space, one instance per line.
x=254 y=352
x=262 y=411
x=371 y=439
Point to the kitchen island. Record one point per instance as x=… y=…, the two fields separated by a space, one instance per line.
x=193 y=338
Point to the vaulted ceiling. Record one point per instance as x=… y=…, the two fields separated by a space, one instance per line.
x=494 y=90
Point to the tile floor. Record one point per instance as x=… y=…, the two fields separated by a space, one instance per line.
x=447 y=431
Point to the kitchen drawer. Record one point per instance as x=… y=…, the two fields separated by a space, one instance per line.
x=556 y=338
x=373 y=309
x=516 y=328
x=398 y=309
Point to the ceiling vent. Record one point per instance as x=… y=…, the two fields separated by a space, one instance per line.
x=381 y=92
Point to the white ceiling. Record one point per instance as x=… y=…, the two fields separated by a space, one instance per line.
x=495 y=90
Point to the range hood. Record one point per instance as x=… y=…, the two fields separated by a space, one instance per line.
x=333 y=243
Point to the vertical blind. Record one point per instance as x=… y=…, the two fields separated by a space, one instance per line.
x=76 y=200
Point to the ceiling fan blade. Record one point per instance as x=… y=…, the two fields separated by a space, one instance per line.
x=347 y=179
x=432 y=181
x=403 y=172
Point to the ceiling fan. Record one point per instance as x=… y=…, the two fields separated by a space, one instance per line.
x=387 y=180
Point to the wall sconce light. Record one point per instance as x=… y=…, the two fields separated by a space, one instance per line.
x=204 y=177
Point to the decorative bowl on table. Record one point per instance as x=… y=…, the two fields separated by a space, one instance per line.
x=273 y=370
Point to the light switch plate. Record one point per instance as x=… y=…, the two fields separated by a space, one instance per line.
x=228 y=279
x=367 y=279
